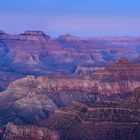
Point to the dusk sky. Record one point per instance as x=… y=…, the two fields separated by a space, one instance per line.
x=80 y=17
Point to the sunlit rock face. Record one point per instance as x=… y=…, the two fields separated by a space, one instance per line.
x=22 y=104
x=65 y=90
x=30 y=99
x=117 y=79
x=85 y=70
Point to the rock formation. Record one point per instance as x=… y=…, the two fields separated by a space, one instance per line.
x=35 y=53
x=34 y=36
x=29 y=99
x=13 y=132
x=117 y=78
x=88 y=122
x=101 y=121
x=85 y=70
x=34 y=98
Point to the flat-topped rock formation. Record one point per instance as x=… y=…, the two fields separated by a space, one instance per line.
x=34 y=36
x=34 y=33
x=27 y=35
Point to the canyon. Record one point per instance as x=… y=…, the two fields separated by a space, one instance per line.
x=69 y=88
x=35 y=53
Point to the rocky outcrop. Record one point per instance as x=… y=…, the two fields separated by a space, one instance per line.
x=68 y=37
x=133 y=102
x=25 y=85
x=31 y=99
x=34 y=107
x=34 y=36
x=85 y=70
x=21 y=104
x=13 y=132
x=65 y=90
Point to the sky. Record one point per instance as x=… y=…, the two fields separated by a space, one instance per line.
x=84 y=18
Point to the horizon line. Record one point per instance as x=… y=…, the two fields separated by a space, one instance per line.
x=68 y=33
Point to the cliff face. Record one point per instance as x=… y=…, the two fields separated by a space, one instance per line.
x=65 y=90
x=29 y=99
x=117 y=79
x=21 y=104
